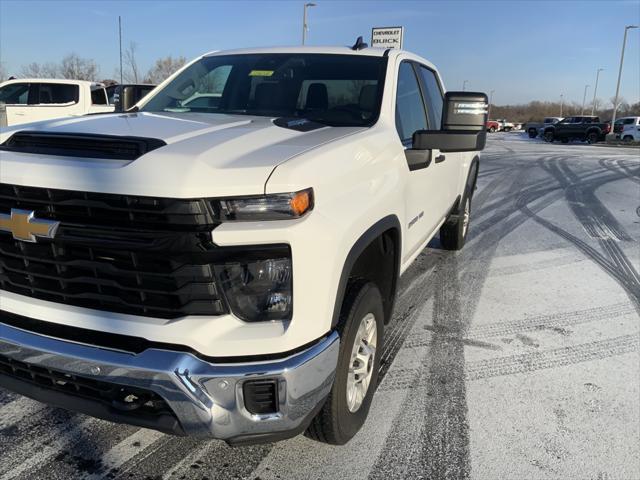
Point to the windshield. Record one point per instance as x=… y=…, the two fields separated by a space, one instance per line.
x=337 y=90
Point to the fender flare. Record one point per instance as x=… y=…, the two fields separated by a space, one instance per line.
x=390 y=222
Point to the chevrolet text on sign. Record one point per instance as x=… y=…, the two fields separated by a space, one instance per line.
x=387 y=37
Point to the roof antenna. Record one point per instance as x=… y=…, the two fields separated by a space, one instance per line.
x=359 y=45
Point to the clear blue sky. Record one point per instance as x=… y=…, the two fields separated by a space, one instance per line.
x=524 y=50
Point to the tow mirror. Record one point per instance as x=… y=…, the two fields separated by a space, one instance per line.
x=464 y=119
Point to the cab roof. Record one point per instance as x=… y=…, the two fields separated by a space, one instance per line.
x=368 y=51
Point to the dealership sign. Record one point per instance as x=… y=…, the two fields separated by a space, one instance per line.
x=387 y=37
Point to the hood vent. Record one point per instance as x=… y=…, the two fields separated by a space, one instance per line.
x=85 y=145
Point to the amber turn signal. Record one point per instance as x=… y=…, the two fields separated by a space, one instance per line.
x=301 y=202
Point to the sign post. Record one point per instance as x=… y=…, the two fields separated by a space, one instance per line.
x=387 y=37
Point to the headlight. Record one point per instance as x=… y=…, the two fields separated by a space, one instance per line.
x=278 y=206
x=258 y=289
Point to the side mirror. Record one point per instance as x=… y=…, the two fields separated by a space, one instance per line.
x=464 y=119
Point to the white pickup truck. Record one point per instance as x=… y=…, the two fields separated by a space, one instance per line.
x=28 y=100
x=227 y=269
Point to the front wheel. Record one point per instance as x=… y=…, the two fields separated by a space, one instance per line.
x=492 y=130
x=533 y=133
x=548 y=137
x=592 y=137
x=627 y=139
x=361 y=333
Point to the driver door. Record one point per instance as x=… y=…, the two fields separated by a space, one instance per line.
x=427 y=191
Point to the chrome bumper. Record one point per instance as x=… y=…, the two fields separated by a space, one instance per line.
x=205 y=398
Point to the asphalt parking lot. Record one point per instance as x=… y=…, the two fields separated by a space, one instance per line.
x=517 y=357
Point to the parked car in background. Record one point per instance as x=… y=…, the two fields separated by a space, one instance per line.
x=492 y=126
x=505 y=126
x=517 y=125
x=34 y=99
x=627 y=129
x=583 y=128
x=125 y=96
x=536 y=128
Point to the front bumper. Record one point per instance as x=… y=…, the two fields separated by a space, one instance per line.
x=204 y=399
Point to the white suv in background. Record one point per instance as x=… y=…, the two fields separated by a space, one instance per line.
x=630 y=131
x=29 y=100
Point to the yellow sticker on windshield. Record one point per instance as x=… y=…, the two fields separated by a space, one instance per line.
x=261 y=73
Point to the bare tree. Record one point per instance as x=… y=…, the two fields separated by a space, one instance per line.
x=75 y=67
x=130 y=75
x=163 y=68
x=40 y=70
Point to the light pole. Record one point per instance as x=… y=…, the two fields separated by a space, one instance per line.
x=561 y=103
x=584 y=97
x=490 y=102
x=464 y=85
x=120 y=40
x=615 y=100
x=305 y=27
x=595 y=89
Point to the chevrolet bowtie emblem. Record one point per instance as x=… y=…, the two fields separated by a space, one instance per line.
x=24 y=226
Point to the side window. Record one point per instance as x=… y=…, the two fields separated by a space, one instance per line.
x=15 y=94
x=410 y=114
x=57 y=93
x=433 y=97
x=99 y=97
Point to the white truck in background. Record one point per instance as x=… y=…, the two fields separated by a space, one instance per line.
x=27 y=100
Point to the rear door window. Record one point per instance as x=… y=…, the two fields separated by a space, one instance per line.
x=99 y=97
x=57 y=93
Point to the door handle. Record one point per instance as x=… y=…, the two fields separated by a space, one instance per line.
x=440 y=158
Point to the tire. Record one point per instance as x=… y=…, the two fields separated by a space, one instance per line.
x=627 y=139
x=508 y=129
x=564 y=140
x=592 y=137
x=453 y=233
x=339 y=419
x=533 y=133
x=548 y=137
x=492 y=130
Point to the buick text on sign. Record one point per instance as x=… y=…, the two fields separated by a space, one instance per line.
x=387 y=37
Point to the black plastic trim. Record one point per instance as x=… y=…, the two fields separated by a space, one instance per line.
x=165 y=423
x=86 y=145
x=389 y=222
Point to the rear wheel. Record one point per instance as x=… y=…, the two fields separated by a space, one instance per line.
x=454 y=232
x=492 y=130
x=548 y=137
x=592 y=137
x=361 y=334
x=627 y=139
x=533 y=133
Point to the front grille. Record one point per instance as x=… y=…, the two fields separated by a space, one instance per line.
x=138 y=255
x=121 y=398
x=81 y=145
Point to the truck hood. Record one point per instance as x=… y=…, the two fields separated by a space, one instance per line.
x=207 y=155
